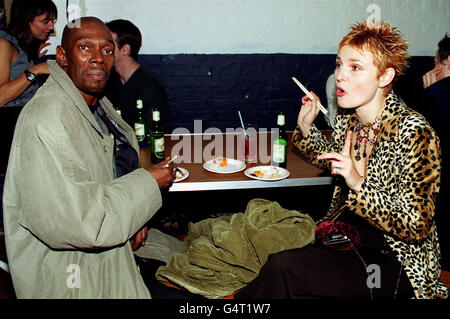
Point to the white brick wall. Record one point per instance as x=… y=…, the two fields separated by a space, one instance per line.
x=266 y=26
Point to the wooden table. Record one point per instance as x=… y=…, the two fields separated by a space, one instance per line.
x=194 y=149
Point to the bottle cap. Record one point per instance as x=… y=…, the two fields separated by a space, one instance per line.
x=280 y=119
x=155 y=115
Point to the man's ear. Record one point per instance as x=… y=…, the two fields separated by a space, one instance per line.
x=126 y=49
x=61 y=57
x=387 y=77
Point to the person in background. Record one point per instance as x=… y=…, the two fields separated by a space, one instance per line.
x=2 y=15
x=331 y=101
x=441 y=69
x=436 y=84
x=378 y=239
x=21 y=45
x=74 y=195
x=132 y=81
x=436 y=105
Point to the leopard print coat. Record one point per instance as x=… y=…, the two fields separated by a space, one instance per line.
x=399 y=193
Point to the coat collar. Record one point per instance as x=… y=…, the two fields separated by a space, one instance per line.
x=66 y=83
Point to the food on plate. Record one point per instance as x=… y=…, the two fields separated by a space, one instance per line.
x=179 y=173
x=221 y=161
x=268 y=173
x=224 y=165
x=257 y=173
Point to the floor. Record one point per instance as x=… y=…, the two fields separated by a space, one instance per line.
x=174 y=219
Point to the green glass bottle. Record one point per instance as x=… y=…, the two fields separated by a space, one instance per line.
x=280 y=143
x=139 y=122
x=156 y=138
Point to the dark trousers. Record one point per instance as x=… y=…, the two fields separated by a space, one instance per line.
x=319 y=272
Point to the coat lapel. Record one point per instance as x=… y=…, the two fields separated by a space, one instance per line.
x=389 y=119
x=388 y=134
x=66 y=84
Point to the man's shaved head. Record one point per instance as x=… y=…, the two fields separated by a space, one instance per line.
x=86 y=54
x=71 y=28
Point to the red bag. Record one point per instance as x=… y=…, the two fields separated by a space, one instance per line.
x=338 y=235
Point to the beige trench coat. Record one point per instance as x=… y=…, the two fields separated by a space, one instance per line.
x=67 y=220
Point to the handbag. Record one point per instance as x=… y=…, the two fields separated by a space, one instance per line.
x=337 y=235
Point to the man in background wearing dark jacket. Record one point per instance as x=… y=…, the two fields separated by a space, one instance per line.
x=131 y=81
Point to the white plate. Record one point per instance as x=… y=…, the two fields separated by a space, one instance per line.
x=267 y=173
x=232 y=165
x=181 y=176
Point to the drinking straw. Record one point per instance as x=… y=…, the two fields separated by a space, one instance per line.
x=242 y=123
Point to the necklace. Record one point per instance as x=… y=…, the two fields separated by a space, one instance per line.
x=363 y=136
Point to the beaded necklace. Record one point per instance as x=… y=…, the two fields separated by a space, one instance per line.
x=363 y=136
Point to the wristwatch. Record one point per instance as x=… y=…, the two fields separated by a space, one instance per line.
x=30 y=75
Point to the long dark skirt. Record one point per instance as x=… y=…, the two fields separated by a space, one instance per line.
x=317 y=271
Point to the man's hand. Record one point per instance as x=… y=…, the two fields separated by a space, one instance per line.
x=440 y=71
x=431 y=77
x=164 y=175
x=139 y=239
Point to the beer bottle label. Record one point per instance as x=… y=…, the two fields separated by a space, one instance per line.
x=139 y=130
x=156 y=116
x=159 y=147
x=279 y=153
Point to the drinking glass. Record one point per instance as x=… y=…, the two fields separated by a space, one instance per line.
x=250 y=140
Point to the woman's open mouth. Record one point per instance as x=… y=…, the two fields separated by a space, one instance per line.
x=340 y=92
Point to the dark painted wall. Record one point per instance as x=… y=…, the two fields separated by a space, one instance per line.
x=212 y=88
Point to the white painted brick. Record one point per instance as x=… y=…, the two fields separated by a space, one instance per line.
x=265 y=26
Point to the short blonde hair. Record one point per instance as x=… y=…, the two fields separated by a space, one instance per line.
x=384 y=42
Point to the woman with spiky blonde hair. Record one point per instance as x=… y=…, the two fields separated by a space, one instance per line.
x=378 y=239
